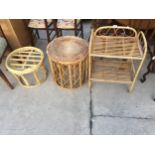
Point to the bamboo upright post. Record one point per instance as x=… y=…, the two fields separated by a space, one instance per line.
x=90 y=58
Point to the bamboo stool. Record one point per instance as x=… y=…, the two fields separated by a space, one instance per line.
x=26 y=64
x=68 y=61
x=113 y=51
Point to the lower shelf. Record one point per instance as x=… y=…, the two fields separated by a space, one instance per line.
x=112 y=70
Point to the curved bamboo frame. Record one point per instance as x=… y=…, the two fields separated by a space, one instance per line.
x=20 y=58
x=116 y=28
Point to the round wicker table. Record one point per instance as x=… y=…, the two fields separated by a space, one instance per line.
x=26 y=64
x=68 y=61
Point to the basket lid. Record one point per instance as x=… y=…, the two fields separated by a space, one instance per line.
x=67 y=48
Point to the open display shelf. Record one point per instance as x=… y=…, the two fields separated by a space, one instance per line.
x=110 y=47
x=113 y=70
x=112 y=50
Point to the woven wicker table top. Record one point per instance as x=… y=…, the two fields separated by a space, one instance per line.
x=67 y=49
x=24 y=60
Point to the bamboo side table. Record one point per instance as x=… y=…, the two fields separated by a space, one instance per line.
x=113 y=51
x=68 y=61
x=26 y=64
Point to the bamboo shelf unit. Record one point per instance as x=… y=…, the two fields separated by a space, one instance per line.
x=113 y=52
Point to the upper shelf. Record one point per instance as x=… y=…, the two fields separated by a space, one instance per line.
x=118 y=47
x=116 y=43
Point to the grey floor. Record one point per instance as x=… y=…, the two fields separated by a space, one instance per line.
x=105 y=109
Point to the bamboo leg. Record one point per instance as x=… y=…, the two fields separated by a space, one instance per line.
x=90 y=59
x=133 y=67
x=36 y=77
x=136 y=75
x=44 y=70
x=90 y=82
x=70 y=76
x=24 y=80
x=18 y=79
x=52 y=68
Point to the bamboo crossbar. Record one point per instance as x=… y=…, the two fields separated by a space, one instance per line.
x=115 y=57
x=111 y=81
x=23 y=60
x=25 y=65
x=25 y=55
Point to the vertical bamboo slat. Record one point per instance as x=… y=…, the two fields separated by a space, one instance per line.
x=80 y=73
x=60 y=75
x=70 y=76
